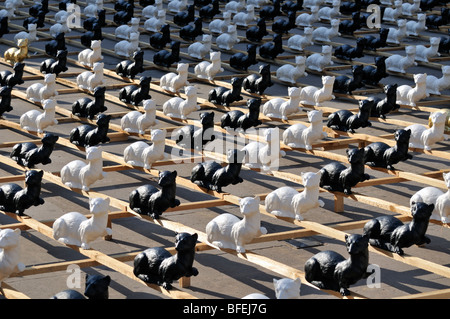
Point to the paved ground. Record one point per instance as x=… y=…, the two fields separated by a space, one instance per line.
x=224 y=275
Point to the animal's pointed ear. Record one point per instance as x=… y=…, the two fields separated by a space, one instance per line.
x=17 y=231
x=275 y=281
x=41 y=173
x=195 y=236
x=257 y=198
x=347 y=151
x=346 y=236
x=174 y=173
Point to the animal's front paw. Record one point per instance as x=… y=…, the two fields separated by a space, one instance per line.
x=344 y=291
x=347 y=191
x=167 y=286
x=85 y=246
x=321 y=203
x=263 y=230
x=20 y=267
x=194 y=271
x=240 y=249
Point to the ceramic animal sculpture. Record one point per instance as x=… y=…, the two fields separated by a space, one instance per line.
x=124 y=31
x=256 y=33
x=86 y=135
x=167 y=58
x=308 y=19
x=255 y=83
x=174 y=82
x=284 y=26
x=348 y=52
x=15 y=199
x=235 y=6
x=425 y=137
x=291 y=6
x=301 y=136
x=210 y=10
x=8 y=78
x=129 y=68
x=337 y=177
x=312 y=95
x=430 y=195
x=58 y=43
x=372 y=75
x=39 y=20
x=329 y=13
x=155 y=23
x=211 y=175
x=346 y=84
x=442 y=206
x=264 y=155
x=160 y=39
x=4 y=29
x=29 y=154
x=444 y=45
x=258 y=3
x=148 y=200
x=373 y=43
x=141 y=154
x=38 y=92
x=135 y=94
x=330 y=270
x=381 y=107
x=91 y=9
x=59 y=27
x=13 y=55
x=136 y=122
x=395 y=35
x=300 y=42
x=183 y=18
x=220 y=25
x=200 y=49
x=290 y=73
x=77 y=174
x=9 y=10
x=434 y=21
x=228 y=231
x=88 y=80
x=288 y=202
x=123 y=16
x=244 y=18
x=414 y=28
x=190 y=32
x=318 y=61
x=224 y=96
x=55 y=66
x=281 y=108
x=96 y=287
x=435 y=85
x=89 y=36
x=351 y=25
x=86 y=107
x=389 y=233
x=89 y=57
x=238 y=120
x=177 y=6
x=89 y=23
x=325 y=34
x=242 y=61
x=379 y=154
x=158 y=266
x=269 y=12
x=5 y=102
x=76 y=229
x=392 y=13
x=30 y=35
x=408 y=95
x=152 y=10
x=37 y=121
x=408 y=9
x=399 y=63
x=178 y=107
x=208 y=70
x=229 y=39
x=10 y=253
x=270 y=50
x=344 y=120
x=126 y=48
x=424 y=53
x=191 y=137
x=285 y=288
